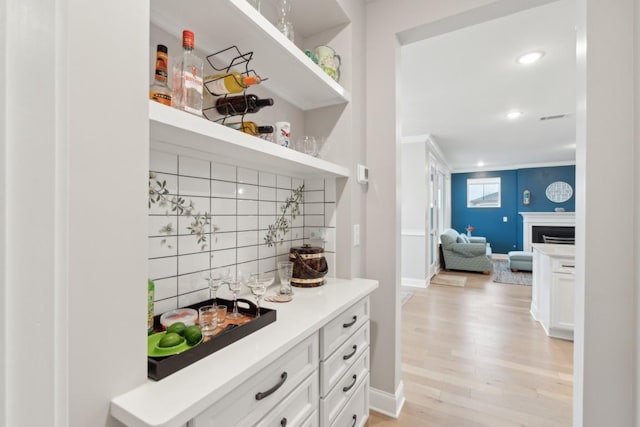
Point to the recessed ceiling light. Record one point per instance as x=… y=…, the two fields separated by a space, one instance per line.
x=512 y=115
x=480 y=164
x=529 y=58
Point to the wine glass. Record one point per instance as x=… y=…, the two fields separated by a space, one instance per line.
x=235 y=284
x=215 y=280
x=285 y=271
x=258 y=284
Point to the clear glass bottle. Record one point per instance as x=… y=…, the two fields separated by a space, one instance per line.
x=187 y=78
x=231 y=82
x=284 y=19
x=242 y=104
x=255 y=4
x=159 y=90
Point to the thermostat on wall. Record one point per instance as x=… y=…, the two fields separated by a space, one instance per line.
x=362 y=175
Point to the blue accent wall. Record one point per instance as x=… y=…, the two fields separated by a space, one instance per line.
x=488 y=222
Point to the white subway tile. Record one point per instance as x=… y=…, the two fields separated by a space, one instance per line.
x=246 y=223
x=247 y=207
x=162 y=267
x=267 y=194
x=223 y=206
x=193 y=298
x=162 y=225
x=330 y=243
x=268 y=264
x=265 y=221
x=246 y=269
x=184 y=222
x=165 y=288
x=163 y=162
x=330 y=190
x=313 y=184
x=299 y=221
x=191 y=283
x=193 y=263
x=265 y=251
x=330 y=214
x=283 y=248
x=266 y=179
x=283 y=195
x=314 y=196
x=314 y=221
x=247 y=191
x=224 y=222
x=189 y=244
x=296 y=182
x=314 y=208
x=247 y=238
x=194 y=167
x=283 y=182
x=165 y=305
x=247 y=176
x=162 y=246
x=223 y=189
x=223 y=258
x=223 y=172
x=267 y=208
x=246 y=254
x=297 y=234
x=223 y=241
x=188 y=186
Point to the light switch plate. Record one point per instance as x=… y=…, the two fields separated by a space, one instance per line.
x=356 y=234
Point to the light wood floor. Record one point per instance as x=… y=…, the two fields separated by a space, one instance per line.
x=473 y=356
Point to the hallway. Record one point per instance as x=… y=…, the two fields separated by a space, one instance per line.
x=473 y=356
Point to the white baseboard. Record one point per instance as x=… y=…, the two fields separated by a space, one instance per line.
x=415 y=283
x=387 y=403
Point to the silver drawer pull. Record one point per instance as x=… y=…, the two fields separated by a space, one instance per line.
x=262 y=394
x=350 y=386
x=350 y=324
x=355 y=420
x=283 y=422
x=350 y=355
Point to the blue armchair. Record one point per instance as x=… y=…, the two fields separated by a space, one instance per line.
x=466 y=253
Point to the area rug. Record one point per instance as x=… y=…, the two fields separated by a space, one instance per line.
x=448 y=280
x=502 y=274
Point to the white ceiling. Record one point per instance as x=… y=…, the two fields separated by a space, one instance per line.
x=457 y=87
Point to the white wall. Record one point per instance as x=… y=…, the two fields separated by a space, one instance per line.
x=75 y=144
x=605 y=162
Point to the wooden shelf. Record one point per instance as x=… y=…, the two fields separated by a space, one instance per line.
x=219 y=24
x=175 y=131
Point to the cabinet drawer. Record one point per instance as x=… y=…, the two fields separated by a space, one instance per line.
x=563 y=265
x=250 y=401
x=332 y=404
x=332 y=369
x=296 y=408
x=334 y=333
x=312 y=421
x=356 y=411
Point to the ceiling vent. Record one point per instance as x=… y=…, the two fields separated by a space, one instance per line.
x=557 y=116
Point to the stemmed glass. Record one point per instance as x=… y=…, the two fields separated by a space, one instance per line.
x=235 y=284
x=258 y=284
x=215 y=280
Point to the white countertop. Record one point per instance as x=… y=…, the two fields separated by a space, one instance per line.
x=555 y=250
x=181 y=396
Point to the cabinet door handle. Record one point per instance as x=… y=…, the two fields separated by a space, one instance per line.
x=350 y=386
x=283 y=422
x=355 y=419
x=350 y=355
x=262 y=394
x=350 y=324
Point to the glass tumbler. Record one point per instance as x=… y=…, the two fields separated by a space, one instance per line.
x=285 y=270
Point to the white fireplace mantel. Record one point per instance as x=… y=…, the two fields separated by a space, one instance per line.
x=542 y=219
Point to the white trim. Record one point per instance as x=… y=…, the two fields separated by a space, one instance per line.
x=493 y=168
x=413 y=232
x=531 y=219
x=387 y=403
x=415 y=283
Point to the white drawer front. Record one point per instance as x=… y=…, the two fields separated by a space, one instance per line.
x=334 y=333
x=296 y=408
x=332 y=404
x=312 y=421
x=243 y=406
x=356 y=412
x=343 y=358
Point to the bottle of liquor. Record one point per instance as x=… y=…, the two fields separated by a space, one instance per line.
x=242 y=104
x=159 y=91
x=231 y=82
x=187 y=78
x=250 y=128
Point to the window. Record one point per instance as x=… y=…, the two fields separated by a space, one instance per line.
x=483 y=192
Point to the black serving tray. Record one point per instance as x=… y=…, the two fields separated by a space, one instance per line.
x=161 y=367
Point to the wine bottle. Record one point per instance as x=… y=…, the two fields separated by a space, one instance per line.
x=159 y=91
x=250 y=128
x=231 y=82
x=187 y=78
x=242 y=104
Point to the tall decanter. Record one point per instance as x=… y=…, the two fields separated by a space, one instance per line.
x=159 y=90
x=284 y=18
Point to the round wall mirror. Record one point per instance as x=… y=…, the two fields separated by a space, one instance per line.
x=559 y=192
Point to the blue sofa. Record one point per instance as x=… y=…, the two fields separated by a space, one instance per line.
x=467 y=253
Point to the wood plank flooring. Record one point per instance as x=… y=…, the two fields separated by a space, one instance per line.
x=473 y=356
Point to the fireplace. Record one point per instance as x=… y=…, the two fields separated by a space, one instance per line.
x=563 y=234
x=561 y=224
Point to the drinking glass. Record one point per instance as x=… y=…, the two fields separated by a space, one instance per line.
x=258 y=284
x=215 y=280
x=235 y=284
x=309 y=145
x=285 y=270
x=208 y=319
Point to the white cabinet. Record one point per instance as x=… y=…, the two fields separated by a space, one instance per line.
x=552 y=302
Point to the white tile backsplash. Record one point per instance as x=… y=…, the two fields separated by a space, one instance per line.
x=242 y=204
